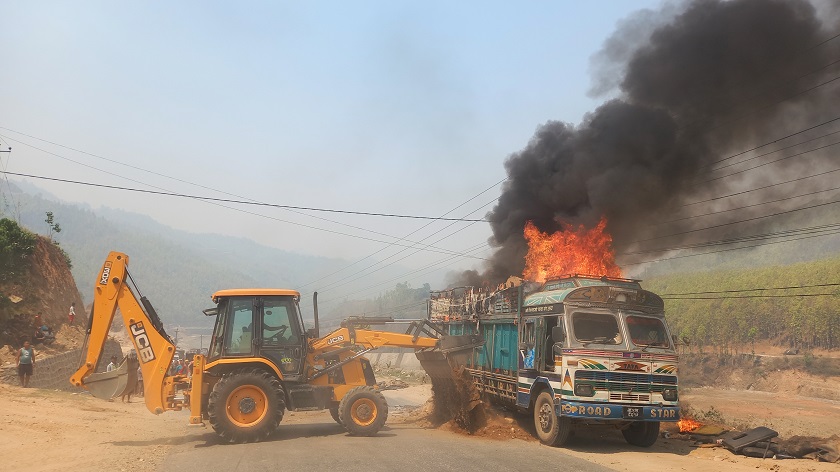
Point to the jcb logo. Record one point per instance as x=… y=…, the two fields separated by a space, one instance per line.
x=336 y=339
x=141 y=342
x=106 y=271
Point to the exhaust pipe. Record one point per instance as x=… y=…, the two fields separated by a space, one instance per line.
x=315 y=305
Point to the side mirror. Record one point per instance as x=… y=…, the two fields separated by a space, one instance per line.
x=311 y=334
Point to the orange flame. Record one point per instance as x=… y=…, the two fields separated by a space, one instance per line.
x=687 y=425
x=569 y=251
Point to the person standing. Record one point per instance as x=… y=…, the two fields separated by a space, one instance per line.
x=25 y=363
x=112 y=365
x=72 y=315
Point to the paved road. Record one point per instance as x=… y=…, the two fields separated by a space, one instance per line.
x=321 y=444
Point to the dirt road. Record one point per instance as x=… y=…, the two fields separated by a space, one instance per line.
x=50 y=431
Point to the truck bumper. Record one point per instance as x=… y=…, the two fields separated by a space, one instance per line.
x=607 y=411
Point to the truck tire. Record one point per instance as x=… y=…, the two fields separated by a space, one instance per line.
x=551 y=429
x=641 y=433
x=246 y=405
x=363 y=411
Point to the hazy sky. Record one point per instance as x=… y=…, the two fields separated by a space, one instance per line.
x=392 y=107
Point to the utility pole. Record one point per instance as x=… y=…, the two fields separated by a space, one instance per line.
x=176 y=336
x=201 y=341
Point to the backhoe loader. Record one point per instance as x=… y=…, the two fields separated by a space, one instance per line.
x=261 y=361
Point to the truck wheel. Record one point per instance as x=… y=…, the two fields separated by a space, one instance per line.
x=363 y=411
x=551 y=430
x=641 y=433
x=246 y=405
x=334 y=414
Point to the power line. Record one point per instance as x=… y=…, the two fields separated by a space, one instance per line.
x=770 y=162
x=754 y=296
x=739 y=221
x=246 y=211
x=243 y=202
x=722 y=242
x=792 y=287
x=761 y=188
x=360 y=273
x=726 y=250
x=408 y=235
x=416 y=271
x=747 y=206
x=777 y=150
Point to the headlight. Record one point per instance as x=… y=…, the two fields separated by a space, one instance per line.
x=584 y=390
x=669 y=394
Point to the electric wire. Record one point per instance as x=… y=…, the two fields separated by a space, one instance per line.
x=715 y=292
x=623 y=264
x=241 y=202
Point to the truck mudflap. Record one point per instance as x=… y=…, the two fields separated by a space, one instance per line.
x=605 y=411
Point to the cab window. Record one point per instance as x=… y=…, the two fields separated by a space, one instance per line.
x=597 y=328
x=240 y=335
x=645 y=331
x=279 y=322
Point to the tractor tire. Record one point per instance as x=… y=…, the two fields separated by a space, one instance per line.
x=334 y=414
x=551 y=429
x=363 y=411
x=246 y=406
x=641 y=433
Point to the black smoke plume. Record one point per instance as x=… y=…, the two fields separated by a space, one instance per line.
x=690 y=87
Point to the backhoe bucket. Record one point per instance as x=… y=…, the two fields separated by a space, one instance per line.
x=455 y=395
x=107 y=385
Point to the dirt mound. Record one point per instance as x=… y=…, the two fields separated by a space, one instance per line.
x=458 y=401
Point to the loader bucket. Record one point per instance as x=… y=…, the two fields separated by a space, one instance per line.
x=455 y=396
x=107 y=385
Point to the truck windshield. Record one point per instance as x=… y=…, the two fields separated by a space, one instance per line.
x=645 y=331
x=597 y=328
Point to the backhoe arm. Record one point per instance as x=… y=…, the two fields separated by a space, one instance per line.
x=154 y=349
x=370 y=339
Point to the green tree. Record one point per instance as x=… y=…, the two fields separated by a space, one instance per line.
x=53 y=226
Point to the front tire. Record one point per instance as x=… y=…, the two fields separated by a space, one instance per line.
x=551 y=429
x=246 y=406
x=363 y=411
x=641 y=433
x=334 y=414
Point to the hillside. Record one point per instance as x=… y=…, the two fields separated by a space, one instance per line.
x=176 y=270
x=729 y=310
x=45 y=287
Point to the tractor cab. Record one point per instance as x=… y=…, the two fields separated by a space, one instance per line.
x=259 y=323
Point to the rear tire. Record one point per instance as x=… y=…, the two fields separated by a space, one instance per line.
x=246 y=405
x=551 y=429
x=363 y=411
x=641 y=433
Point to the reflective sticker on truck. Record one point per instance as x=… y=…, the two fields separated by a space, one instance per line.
x=142 y=343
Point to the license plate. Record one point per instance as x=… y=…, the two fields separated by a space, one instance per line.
x=633 y=412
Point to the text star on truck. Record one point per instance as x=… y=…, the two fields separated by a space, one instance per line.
x=261 y=361
x=579 y=350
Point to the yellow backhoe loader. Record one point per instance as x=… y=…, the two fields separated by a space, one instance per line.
x=261 y=361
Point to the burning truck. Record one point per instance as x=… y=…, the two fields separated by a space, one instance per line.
x=571 y=350
x=576 y=350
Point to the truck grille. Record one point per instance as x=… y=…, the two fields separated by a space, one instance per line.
x=625 y=386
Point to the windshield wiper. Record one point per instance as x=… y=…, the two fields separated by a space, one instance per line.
x=600 y=340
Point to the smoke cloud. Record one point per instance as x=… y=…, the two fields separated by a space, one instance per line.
x=692 y=85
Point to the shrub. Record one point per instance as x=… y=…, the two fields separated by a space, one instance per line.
x=16 y=245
